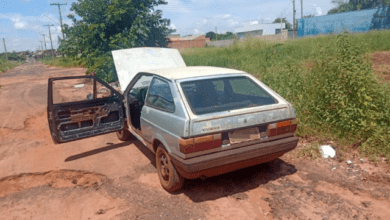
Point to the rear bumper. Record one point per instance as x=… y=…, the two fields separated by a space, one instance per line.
x=230 y=160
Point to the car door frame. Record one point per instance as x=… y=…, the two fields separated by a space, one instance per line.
x=130 y=126
x=53 y=109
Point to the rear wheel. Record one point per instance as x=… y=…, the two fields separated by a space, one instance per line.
x=123 y=134
x=170 y=179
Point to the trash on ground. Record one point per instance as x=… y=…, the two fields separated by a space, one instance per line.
x=327 y=151
x=79 y=86
x=361 y=160
x=349 y=162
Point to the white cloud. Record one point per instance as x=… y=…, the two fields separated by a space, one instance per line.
x=232 y=22
x=227 y=16
x=25 y=31
x=319 y=10
x=172 y=26
x=17 y=22
x=254 y=22
x=196 y=31
x=204 y=20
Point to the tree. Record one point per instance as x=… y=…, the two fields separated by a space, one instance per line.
x=353 y=5
x=284 y=20
x=213 y=36
x=309 y=16
x=210 y=35
x=100 y=26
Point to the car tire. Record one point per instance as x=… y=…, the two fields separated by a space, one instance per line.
x=170 y=179
x=123 y=134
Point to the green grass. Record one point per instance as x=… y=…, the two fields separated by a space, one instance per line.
x=63 y=62
x=6 y=65
x=328 y=79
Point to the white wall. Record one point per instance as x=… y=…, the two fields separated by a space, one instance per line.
x=268 y=29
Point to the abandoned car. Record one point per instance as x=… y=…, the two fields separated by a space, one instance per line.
x=199 y=121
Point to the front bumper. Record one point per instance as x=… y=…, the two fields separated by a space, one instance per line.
x=234 y=159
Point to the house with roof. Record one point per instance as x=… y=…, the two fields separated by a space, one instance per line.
x=190 y=41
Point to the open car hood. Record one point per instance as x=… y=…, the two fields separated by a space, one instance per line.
x=129 y=62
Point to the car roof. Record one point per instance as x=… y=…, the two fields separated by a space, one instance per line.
x=192 y=71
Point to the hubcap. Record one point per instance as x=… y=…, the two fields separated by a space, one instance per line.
x=164 y=168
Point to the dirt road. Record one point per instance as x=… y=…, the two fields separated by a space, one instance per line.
x=104 y=178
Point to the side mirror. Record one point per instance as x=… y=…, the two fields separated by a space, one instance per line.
x=90 y=96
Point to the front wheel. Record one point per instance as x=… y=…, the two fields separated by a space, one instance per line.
x=170 y=179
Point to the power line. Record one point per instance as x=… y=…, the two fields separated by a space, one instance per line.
x=59 y=11
x=44 y=39
x=5 y=48
x=301 y=8
x=294 y=17
x=50 y=19
x=51 y=42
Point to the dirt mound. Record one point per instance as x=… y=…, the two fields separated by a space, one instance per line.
x=56 y=179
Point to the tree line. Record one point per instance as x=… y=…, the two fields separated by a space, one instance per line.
x=354 y=5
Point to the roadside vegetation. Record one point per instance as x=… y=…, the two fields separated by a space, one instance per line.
x=13 y=61
x=63 y=62
x=328 y=79
x=6 y=65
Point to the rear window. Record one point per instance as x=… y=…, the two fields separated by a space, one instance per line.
x=224 y=94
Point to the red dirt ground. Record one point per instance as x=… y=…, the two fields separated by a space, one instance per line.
x=381 y=63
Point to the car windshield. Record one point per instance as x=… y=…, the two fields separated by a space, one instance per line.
x=224 y=94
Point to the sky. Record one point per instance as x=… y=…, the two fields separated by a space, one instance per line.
x=21 y=21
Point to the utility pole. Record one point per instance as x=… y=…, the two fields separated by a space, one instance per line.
x=5 y=48
x=41 y=44
x=44 y=40
x=216 y=34
x=59 y=11
x=281 y=20
x=294 y=17
x=301 y=8
x=51 y=42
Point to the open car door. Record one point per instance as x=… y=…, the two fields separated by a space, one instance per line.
x=81 y=107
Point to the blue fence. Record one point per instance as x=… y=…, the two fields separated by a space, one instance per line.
x=356 y=21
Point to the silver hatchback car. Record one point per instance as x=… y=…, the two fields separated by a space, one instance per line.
x=199 y=121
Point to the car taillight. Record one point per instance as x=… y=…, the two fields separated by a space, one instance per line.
x=208 y=142
x=283 y=127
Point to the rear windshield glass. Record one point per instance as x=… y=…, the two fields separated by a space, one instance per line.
x=224 y=94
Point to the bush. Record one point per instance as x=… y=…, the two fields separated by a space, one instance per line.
x=346 y=93
x=327 y=78
x=347 y=97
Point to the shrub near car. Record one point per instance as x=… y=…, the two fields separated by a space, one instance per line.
x=199 y=121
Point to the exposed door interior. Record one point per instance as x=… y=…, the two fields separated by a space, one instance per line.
x=81 y=107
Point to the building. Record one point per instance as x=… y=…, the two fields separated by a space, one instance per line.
x=173 y=36
x=187 y=42
x=259 y=30
x=353 y=22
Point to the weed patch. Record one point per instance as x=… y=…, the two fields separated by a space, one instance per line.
x=6 y=65
x=328 y=79
x=63 y=62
